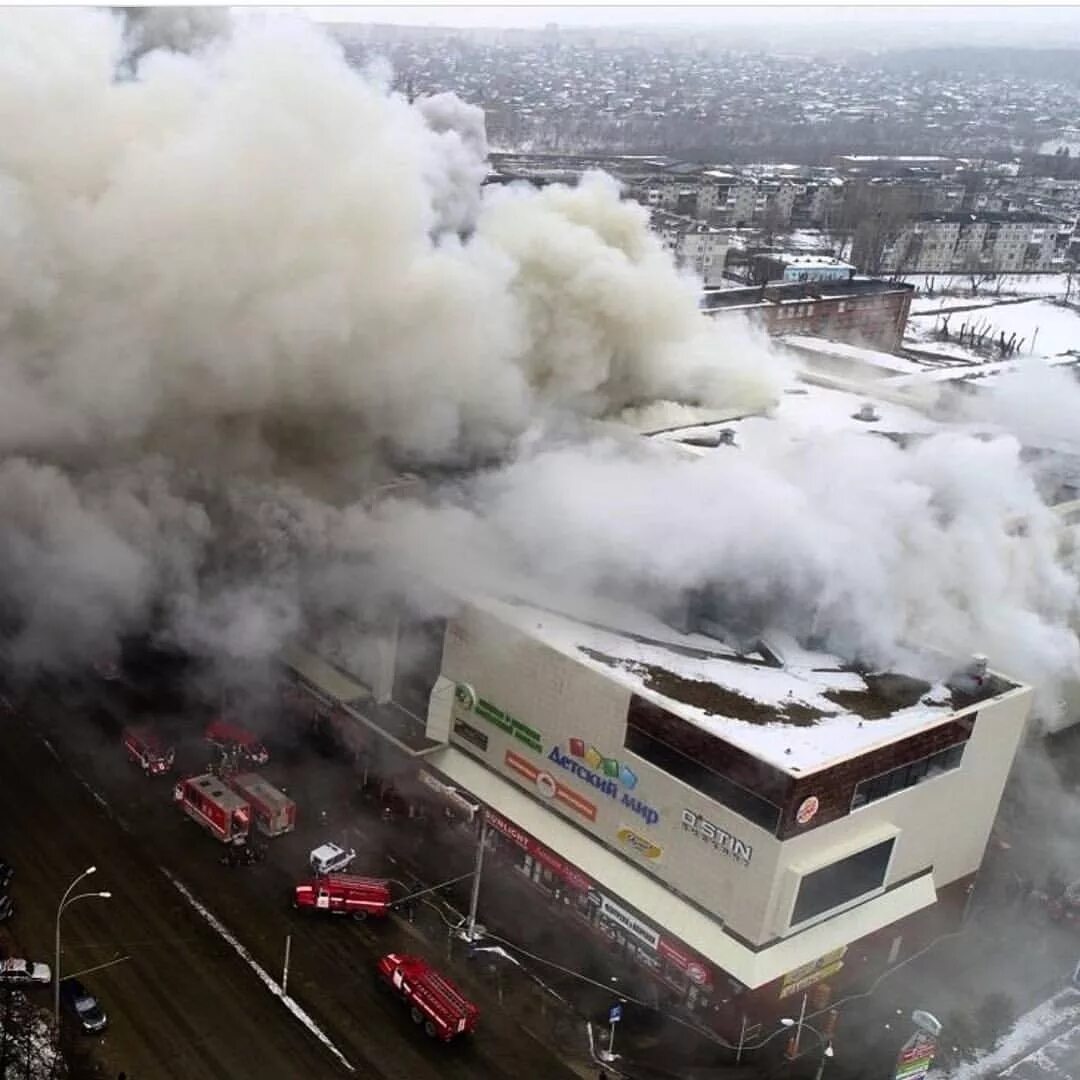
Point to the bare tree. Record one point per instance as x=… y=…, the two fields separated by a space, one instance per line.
x=979 y=269
x=28 y=1044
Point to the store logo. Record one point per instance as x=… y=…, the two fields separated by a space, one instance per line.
x=630 y=923
x=608 y=767
x=808 y=809
x=549 y=787
x=468 y=699
x=465 y=696
x=644 y=847
x=605 y=774
x=720 y=838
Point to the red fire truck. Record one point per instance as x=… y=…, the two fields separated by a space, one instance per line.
x=233 y=738
x=208 y=801
x=146 y=749
x=436 y=1003
x=344 y=894
x=274 y=812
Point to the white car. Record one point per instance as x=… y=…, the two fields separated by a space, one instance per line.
x=23 y=973
x=329 y=858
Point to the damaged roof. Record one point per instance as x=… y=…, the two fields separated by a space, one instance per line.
x=796 y=709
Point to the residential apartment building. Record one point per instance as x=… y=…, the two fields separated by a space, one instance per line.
x=977 y=241
x=696 y=246
x=746 y=825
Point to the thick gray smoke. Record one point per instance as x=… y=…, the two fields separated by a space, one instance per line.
x=232 y=264
x=242 y=283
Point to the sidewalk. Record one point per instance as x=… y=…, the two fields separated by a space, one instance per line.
x=541 y=960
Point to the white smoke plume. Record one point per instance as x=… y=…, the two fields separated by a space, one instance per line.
x=228 y=260
x=241 y=282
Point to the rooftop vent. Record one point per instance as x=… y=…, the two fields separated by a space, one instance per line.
x=972 y=679
x=867 y=413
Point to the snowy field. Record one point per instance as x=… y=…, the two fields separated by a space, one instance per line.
x=1006 y=285
x=1047 y=328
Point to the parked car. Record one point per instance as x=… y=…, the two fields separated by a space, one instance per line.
x=14 y=972
x=87 y=1008
x=7 y=907
x=6 y=874
x=330 y=859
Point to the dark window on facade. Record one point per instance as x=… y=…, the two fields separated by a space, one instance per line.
x=471 y=735
x=417 y=664
x=877 y=787
x=842 y=882
x=701 y=778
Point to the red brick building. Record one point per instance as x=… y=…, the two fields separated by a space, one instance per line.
x=860 y=311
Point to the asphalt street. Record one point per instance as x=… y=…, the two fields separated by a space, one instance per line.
x=185 y=1004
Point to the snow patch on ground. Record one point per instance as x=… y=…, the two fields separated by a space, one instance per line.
x=1033 y=1026
x=1010 y=284
x=1047 y=329
x=268 y=982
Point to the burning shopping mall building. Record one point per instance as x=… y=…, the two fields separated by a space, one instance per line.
x=746 y=824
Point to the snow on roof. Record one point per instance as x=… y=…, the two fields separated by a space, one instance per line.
x=798 y=711
x=873 y=360
x=981 y=374
x=809 y=410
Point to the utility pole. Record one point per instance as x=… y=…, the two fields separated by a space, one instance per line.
x=285 y=968
x=742 y=1040
x=798 y=1028
x=474 y=900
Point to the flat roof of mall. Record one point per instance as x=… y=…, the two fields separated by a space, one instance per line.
x=796 y=709
x=809 y=410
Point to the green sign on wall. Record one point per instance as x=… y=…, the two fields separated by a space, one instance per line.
x=468 y=699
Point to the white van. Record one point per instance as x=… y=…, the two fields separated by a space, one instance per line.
x=330 y=859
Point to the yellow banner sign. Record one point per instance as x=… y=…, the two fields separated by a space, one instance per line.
x=643 y=846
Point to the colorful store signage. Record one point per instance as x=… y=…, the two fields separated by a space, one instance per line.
x=916 y=1057
x=697 y=971
x=555 y=863
x=468 y=699
x=549 y=787
x=720 y=838
x=630 y=923
x=795 y=982
x=639 y=844
x=605 y=774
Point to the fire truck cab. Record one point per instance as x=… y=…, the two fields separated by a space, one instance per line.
x=233 y=738
x=435 y=1001
x=344 y=894
x=274 y=812
x=146 y=749
x=221 y=812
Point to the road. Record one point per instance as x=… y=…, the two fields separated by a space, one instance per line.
x=183 y=1005
x=186 y=1004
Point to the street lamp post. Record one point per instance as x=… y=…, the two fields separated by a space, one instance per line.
x=825 y=1055
x=66 y=900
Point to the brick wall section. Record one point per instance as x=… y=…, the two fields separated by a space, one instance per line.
x=872 y=321
x=875 y=318
x=835 y=787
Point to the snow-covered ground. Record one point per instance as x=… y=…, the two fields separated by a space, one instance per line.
x=1047 y=329
x=1006 y=285
x=1054 y=1021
